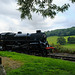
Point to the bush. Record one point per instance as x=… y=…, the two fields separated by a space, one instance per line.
x=61 y=49
x=71 y=40
x=61 y=40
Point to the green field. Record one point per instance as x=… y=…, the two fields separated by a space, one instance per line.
x=70 y=46
x=53 y=40
x=34 y=65
x=67 y=37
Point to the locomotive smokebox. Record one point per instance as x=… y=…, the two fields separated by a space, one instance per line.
x=38 y=31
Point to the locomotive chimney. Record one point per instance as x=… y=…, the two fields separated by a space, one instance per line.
x=38 y=31
x=19 y=32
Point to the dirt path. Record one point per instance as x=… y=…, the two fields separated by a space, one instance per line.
x=9 y=63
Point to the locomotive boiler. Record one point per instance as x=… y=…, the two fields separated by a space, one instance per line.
x=34 y=43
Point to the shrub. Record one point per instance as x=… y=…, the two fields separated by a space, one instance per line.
x=71 y=40
x=61 y=49
x=61 y=40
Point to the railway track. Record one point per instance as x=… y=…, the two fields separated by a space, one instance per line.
x=63 y=56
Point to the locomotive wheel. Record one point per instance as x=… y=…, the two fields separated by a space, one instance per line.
x=44 y=53
x=4 y=48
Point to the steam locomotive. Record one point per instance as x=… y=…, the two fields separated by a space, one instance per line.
x=34 y=43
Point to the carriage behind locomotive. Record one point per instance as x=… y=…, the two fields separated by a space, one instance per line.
x=34 y=43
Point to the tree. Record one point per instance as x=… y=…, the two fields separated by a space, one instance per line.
x=61 y=32
x=61 y=40
x=71 y=40
x=44 y=7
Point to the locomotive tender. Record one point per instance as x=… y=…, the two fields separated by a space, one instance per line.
x=34 y=43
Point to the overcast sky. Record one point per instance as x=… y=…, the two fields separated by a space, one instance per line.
x=10 y=18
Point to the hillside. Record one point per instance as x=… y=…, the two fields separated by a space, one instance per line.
x=34 y=65
x=70 y=48
x=61 y=32
x=53 y=39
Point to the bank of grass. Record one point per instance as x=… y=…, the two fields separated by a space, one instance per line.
x=34 y=65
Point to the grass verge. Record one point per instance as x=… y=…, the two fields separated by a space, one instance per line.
x=33 y=65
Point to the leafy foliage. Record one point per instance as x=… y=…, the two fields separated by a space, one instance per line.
x=44 y=7
x=71 y=40
x=64 y=49
x=73 y=1
x=61 y=40
x=61 y=32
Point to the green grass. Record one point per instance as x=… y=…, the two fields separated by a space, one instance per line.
x=34 y=65
x=66 y=37
x=53 y=40
x=69 y=46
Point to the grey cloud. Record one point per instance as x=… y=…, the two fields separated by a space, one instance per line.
x=8 y=8
x=37 y=22
x=5 y=1
x=9 y=14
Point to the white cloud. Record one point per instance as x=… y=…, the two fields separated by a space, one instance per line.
x=3 y=26
x=15 y=21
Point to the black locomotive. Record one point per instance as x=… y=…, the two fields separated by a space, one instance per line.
x=34 y=43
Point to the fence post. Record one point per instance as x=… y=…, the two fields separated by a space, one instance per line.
x=0 y=60
x=2 y=70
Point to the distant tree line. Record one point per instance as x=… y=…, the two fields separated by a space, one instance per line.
x=62 y=40
x=61 y=32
